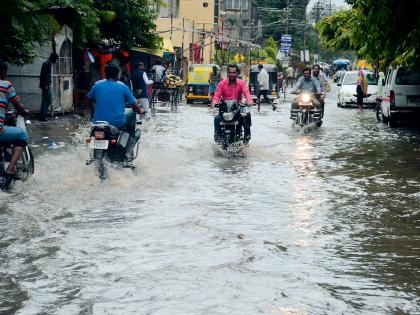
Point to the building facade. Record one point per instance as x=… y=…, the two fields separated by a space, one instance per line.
x=190 y=25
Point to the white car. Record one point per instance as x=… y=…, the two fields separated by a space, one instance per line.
x=401 y=96
x=347 y=96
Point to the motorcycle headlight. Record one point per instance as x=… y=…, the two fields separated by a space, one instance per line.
x=228 y=116
x=306 y=97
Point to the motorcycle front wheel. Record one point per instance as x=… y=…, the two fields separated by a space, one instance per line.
x=26 y=164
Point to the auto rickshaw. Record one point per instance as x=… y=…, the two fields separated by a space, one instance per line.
x=253 y=81
x=198 y=82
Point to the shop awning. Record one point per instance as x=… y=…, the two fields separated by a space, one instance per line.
x=167 y=49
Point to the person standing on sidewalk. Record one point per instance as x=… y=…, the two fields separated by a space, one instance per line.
x=140 y=88
x=45 y=81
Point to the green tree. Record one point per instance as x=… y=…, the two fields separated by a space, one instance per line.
x=128 y=23
x=268 y=52
x=25 y=23
x=382 y=31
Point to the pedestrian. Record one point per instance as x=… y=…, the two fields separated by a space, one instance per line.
x=361 y=89
x=381 y=83
x=45 y=81
x=289 y=76
x=214 y=79
x=160 y=72
x=280 y=81
x=264 y=86
x=140 y=87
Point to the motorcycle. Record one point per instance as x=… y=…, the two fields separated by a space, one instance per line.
x=231 y=132
x=305 y=112
x=25 y=166
x=116 y=145
x=378 y=109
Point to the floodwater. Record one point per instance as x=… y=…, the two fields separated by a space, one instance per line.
x=322 y=221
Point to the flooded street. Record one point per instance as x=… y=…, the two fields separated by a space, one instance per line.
x=325 y=221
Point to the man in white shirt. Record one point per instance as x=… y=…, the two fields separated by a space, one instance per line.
x=264 y=86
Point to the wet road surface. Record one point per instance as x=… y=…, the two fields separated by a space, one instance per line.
x=321 y=221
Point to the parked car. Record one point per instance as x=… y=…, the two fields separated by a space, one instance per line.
x=347 y=95
x=401 y=95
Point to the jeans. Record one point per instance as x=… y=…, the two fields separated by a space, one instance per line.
x=12 y=134
x=243 y=121
x=46 y=102
x=130 y=121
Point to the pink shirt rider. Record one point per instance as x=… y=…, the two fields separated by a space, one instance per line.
x=231 y=92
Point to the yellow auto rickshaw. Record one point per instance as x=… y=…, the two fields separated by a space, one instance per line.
x=198 y=82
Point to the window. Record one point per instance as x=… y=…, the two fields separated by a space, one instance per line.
x=169 y=8
x=407 y=77
x=236 y=4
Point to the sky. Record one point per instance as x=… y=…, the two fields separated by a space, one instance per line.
x=338 y=3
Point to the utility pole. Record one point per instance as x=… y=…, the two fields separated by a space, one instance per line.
x=182 y=48
x=317 y=11
x=287 y=16
x=172 y=18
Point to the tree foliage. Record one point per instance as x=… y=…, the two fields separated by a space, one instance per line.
x=267 y=53
x=25 y=23
x=381 y=31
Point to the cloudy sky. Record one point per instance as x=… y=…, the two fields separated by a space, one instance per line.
x=338 y=3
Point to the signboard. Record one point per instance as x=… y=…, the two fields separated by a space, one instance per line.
x=286 y=43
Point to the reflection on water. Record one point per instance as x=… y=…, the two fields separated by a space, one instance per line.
x=319 y=222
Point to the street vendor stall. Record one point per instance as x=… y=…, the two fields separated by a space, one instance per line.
x=168 y=90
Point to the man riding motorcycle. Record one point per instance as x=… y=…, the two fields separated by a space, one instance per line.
x=309 y=84
x=111 y=97
x=233 y=88
x=15 y=135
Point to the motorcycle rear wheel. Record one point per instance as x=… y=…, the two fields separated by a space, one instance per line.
x=98 y=156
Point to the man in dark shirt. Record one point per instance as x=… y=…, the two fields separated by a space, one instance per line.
x=140 y=88
x=45 y=85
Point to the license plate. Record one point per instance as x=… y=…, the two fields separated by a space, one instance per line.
x=99 y=144
x=228 y=123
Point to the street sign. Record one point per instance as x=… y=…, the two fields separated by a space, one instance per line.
x=286 y=43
